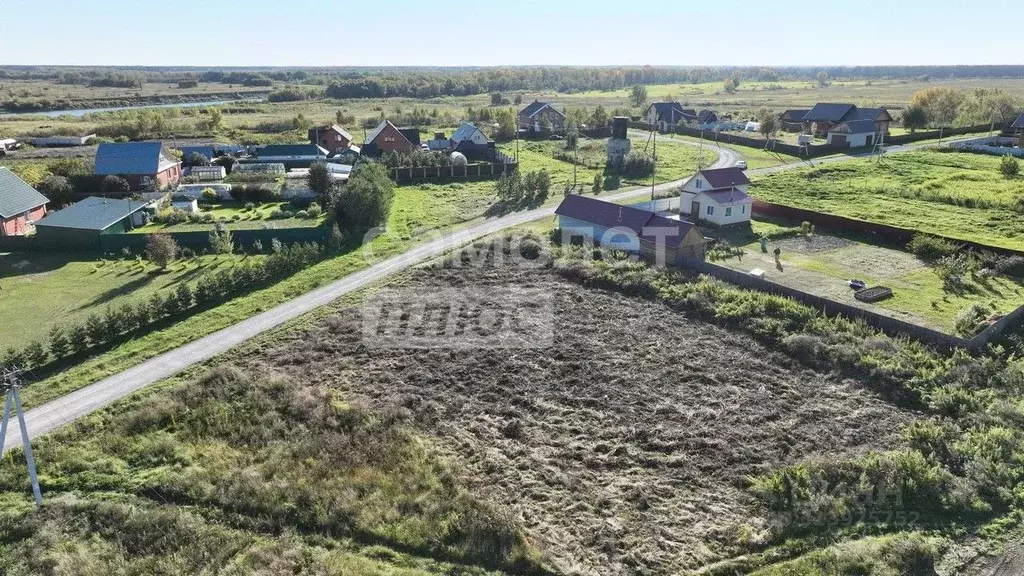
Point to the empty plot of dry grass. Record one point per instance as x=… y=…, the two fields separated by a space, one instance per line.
x=625 y=447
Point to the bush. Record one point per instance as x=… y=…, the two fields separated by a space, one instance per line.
x=637 y=165
x=257 y=193
x=114 y=185
x=210 y=195
x=314 y=210
x=971 y=320
x=930 y=248
x=221 y=240
x=1009 y=166
x=161 y=249
x=366 y=200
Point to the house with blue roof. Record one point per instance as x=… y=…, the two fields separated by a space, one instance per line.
x=144 y=165
x=291 y=155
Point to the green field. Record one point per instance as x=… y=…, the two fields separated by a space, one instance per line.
x=65 y=289
x=236 y=217
x=822 y=264
x=952 y=194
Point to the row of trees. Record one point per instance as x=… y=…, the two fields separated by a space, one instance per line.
x=517 y=188
x=211 y=288
x=944 y=106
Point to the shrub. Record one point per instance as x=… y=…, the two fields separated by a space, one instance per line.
x=930 y=248
x=221 y=240
x=366 y=201
x=161 y=249
x=257 y=193
x=114 y=185
x=249 y=207
x=210 y=195
x=637 y=165
x=314 y=210
x=612 y=182
x=302 y=214
x=970 y=320
x=1009 y=166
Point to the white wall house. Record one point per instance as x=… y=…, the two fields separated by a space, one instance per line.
x=853 y=134
x=718 y=196
x=469 y=132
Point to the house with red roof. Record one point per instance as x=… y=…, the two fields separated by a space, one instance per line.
x=617 y=227
x=718 y=196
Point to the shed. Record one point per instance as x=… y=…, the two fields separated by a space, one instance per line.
x=81 y=224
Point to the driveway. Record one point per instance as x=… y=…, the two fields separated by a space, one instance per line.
x=69 y=408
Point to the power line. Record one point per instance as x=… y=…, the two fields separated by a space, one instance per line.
x=11 y=382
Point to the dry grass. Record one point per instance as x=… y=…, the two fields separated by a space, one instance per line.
x=627 y=445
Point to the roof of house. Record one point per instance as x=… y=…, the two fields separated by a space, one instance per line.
x=706 y=115
x=380 y=128
x=535 y=108
x=725 y=177
x=855 y=127
x=872 y=114
x=16 y=196
x=275 y=150
x=207 y=151
x=1019 y=122
x=827 y=112
x=610 y=215
x=670 y=111
x=93 y=213
x=794 y=115
x=411 y=134
x=330 y=127
x=465 y=132
x=133 y=158
x=729 y=196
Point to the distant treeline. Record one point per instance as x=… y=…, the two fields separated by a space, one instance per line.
x=431 y=82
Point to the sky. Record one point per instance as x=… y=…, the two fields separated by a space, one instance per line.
x=505 y=32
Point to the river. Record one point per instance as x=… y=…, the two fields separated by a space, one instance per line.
x=84 y=111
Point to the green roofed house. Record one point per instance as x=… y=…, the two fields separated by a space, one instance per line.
x=20 y=205
x=79 y=226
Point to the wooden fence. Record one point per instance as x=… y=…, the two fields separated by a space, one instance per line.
x=474 y=171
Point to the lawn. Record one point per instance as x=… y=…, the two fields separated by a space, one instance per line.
x=48 y=289
x=237 y=217
x=952 y=194
x=756 y=158
x=822 y=264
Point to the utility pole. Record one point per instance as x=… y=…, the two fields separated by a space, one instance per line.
x=11 y=382
x=654 y=172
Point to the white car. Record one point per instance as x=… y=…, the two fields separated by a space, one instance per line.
x=742 y=164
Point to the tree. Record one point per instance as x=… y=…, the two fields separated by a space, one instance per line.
x=366 y=201
x=227 y=161
x=320 y=180
x=506 y=121
x=769 y=122
x=60 y=346
x=197 y=159
x=915 y=117
x=221 y=240
x=596 y=188
x=638 y=95
x=941 y=103
x=57 y=189
x=496 y=98
x=988 y=105
x=161 y=249
x=115 y=185
x=518 y=99
x=822 y=78
x=1009 y=166
x=599 y=119
x=729 y=85
x=214 y=118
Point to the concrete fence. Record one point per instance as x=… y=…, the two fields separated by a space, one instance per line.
x=661 y=205
x=996 y=146
x=887 y=324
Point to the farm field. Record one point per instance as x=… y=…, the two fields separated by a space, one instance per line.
x=66 y=289
x=236 y=217
x=575 y=463
x=822 y=264
x=954 y=194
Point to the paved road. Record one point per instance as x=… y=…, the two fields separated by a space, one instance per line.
x=69 y=408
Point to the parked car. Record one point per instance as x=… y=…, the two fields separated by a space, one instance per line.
x=742 y=164
x=556 y=137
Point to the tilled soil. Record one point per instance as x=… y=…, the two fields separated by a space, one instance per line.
x=625 y=447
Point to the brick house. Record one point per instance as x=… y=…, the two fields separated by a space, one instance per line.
x=388 y=138
x=332 y=138
x=538 y=115
x=143 y=164
x=21 y=206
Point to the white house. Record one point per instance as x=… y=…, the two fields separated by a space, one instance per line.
x=718 y=196
x=469 y=132
x=853 y=134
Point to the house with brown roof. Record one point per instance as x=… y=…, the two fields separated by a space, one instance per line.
x=718 y=196
x=793 y=120
x=618 y=227
x=332 y=138
x=386 y=137
x=539 y=115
